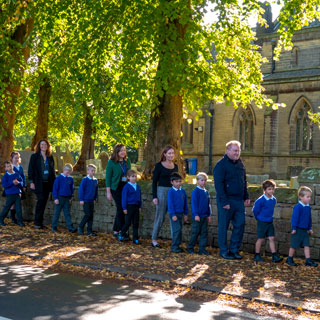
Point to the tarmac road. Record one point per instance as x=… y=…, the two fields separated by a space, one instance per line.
x=32 y=293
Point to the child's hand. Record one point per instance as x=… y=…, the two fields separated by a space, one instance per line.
x=82 y=203
x=185 y=218
x=56 y=201
x=70 y=201
x=197 y=218
x=24 y=189
x=209 y=219
x=174 y=218
x=32 y=186
x=15 y=182
x=139 y=210
x=293 y=231
x=155 y=201
x=125 y=211
x=310 y=232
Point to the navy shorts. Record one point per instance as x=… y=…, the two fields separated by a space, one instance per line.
x=300 y=239
x=265 y=229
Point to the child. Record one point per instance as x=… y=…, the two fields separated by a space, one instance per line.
x=88 y=193
x=17 y=167
x=263 y=211
x=201 y=212
x=131 y=204
x=177 y=207
x=12 y=183
x=301 y=227
x=62 y=193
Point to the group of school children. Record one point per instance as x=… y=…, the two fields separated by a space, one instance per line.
x=14 y=184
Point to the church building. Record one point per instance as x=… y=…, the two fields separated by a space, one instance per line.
x=277 y=142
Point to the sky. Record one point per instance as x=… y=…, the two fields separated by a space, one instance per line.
x=210 y=16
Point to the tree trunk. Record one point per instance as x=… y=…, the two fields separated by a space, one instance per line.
x=44 y=94
x=11 y=93
x=165 y=122
x=87 y=148
x=164 y=129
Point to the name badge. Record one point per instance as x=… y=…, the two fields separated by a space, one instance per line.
x=124 y=179
x=46 y=172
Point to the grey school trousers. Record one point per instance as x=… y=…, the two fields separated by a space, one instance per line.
x=161 y=211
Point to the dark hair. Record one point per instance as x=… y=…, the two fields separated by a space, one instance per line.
x=116 y=150
x=131 y=173
x=14 y=153
x=165 y=150
x=38 y=150
x=7 y=162
x=268 y=183
x=175 y=176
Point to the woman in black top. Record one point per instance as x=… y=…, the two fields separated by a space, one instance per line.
x=41 y=176
x=160 y=187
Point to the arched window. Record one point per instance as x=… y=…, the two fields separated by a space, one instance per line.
x=303 y=128
x=187 y=130
x=246 y=129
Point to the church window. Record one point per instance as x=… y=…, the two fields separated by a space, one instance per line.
x=246 y=129
x=303 y=129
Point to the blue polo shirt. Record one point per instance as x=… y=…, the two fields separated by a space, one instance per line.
x=177 y=201
x=62 y=187
x=263 y=208
x=301 y=217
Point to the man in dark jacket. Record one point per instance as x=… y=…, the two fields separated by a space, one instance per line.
x=232 y=195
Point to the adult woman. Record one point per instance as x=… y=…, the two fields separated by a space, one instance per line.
x=160 y=187
x=116 y=178
x=41 y=176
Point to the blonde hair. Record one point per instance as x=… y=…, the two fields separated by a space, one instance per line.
x=202 y=175
x=68 y=166
x=131 y=173
x=303 y=191
x=232 y=143
x=92 y=166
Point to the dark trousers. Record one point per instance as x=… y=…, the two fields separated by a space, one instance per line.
x=199 y=228
x=176 y=231
x=236 y=215
x=42 y=199
x=10 y=200
x=64 y=204
x=88 y=209
x=119 y=219
x=132 y=217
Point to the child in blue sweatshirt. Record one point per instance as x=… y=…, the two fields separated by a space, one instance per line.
x=201 y=212
x=88 y=194
x=263 y=211
x=131 y=204
x=178 y=210
x=62 y=193
x=301 y=227
x=17 y=167
x=12 y=184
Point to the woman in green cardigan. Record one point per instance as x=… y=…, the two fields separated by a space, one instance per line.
x=116 y=178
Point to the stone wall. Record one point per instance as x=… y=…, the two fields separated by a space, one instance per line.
x=105 y=211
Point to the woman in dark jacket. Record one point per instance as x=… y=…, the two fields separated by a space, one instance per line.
x=41 y=176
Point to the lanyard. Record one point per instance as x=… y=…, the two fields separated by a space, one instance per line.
x=45 y=162
x=123 y=167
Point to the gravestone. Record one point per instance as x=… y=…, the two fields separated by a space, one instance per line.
x=67 y=157
x=25 y=159
x=104 y=157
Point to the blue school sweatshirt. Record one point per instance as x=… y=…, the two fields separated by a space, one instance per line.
x=200 y=203
x=88 y=190
x=62 y=186
x=131 y=194
x=177 y=201
x=301 y=217
x=20 y=171
x=263 y=208
x=9 y=186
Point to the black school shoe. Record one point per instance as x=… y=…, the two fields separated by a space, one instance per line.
x=310 y=263
x=2 y=223
x=91 y=234
x=236 y=255
x=178 y=250
x=80 y=231
x=155 y=245
x=21 y=224
x=227 y=256
x=204 y=252
x=290 y=262
x=54 y=229
x=257 y=257
x=276 y=258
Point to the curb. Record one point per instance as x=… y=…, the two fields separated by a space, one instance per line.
x=275 y=299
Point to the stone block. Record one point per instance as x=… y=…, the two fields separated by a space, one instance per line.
x=286 y=213
x=317 y=189
x=309 y=175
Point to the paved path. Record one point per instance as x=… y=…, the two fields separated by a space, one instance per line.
x=32 y=293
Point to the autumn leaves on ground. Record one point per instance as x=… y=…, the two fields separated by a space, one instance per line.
x=63 y=251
